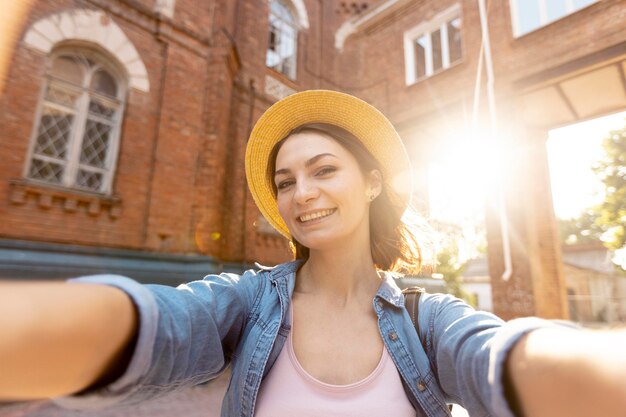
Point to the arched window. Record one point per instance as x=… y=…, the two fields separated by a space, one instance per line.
x=283 y=39
x=75 y=137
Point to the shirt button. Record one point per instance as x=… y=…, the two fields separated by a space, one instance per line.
x=421 y=386
x=379 y=303
x=392 y=335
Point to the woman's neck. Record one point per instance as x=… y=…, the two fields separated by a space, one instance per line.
x=338 y=276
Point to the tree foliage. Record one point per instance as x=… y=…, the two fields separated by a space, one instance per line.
x=605 y=222
x=611 y=213
x=580 y=230
x=449 y=263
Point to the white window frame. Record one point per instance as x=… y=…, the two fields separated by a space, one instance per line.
x=543 y=14
x=439 y=22
x=72 y=162
x=292 y=68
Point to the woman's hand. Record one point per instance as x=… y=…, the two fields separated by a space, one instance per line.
x=60 y=338
x=569 y=373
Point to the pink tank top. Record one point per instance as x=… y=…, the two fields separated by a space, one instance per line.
x=288 y=390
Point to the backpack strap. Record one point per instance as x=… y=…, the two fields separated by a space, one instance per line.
x=412 y=304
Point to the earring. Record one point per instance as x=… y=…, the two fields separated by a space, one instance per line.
x=371 y=195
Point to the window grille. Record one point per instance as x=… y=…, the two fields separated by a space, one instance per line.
x=76 y=132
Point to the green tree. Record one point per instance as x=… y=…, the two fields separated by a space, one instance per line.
x=611 y=213
x=580 y=230
x=448 y=266
x=449 y=263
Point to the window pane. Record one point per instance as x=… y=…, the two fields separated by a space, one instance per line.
x=101 y=109
x=579 y=4
x=103 y=83
x=288 y=43
x=46 y=171
x=95 y=144
x=280 y=10
x=67 y=69
x=420 y=57
x=89 y=180
x=272 y=59
x=454 y=40
x=528 y=17
x=53 y=134
x=556 y=9
x=272 y=43
x=435 y=39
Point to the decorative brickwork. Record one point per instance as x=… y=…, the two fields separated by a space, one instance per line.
x=70 y=201
x=94 y=27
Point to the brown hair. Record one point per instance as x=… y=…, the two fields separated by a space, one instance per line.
x=394 y=243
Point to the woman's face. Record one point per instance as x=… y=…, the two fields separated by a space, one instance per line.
x=322 y=193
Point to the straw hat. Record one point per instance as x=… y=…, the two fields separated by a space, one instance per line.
x=332 y=107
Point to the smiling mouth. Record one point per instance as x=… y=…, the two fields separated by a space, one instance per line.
x=315 y=215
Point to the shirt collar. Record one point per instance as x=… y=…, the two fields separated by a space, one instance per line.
x=388 y=290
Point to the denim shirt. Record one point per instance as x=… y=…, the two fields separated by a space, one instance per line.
x=190 y=334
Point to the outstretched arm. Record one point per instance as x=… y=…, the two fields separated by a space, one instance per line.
x=565 y=372
x=555 y=368
x=60 y=338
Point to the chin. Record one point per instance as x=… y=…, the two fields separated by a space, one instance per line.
x=320 y=243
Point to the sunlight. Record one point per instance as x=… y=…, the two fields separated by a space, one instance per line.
x=459 y=185
x=459 y=180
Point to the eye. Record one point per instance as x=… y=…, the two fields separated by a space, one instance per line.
x=284 y=184
x=326 y=170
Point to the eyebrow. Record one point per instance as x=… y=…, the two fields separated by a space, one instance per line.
x=307 y=164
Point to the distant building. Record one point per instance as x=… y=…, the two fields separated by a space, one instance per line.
x=596 y=292
x=476 y=281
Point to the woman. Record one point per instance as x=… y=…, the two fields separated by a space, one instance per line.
x=326 y=334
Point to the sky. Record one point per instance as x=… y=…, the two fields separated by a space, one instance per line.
x=571 y=152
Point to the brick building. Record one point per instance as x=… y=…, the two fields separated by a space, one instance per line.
x=124 y=122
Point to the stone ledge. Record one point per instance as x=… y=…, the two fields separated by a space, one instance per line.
x=71 y=200
x=27 y=259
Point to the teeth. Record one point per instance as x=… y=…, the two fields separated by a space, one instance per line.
x=316 y=215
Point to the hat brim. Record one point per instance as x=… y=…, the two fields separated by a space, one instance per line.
x=324 y=106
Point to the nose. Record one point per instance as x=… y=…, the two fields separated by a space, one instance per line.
x=305 y=192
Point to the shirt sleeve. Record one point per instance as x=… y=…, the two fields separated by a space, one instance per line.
x=186 y=335
x=468 y=349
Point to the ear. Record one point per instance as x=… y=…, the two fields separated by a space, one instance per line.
x=375 y=182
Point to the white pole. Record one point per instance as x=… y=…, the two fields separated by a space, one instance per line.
x=491 y=99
